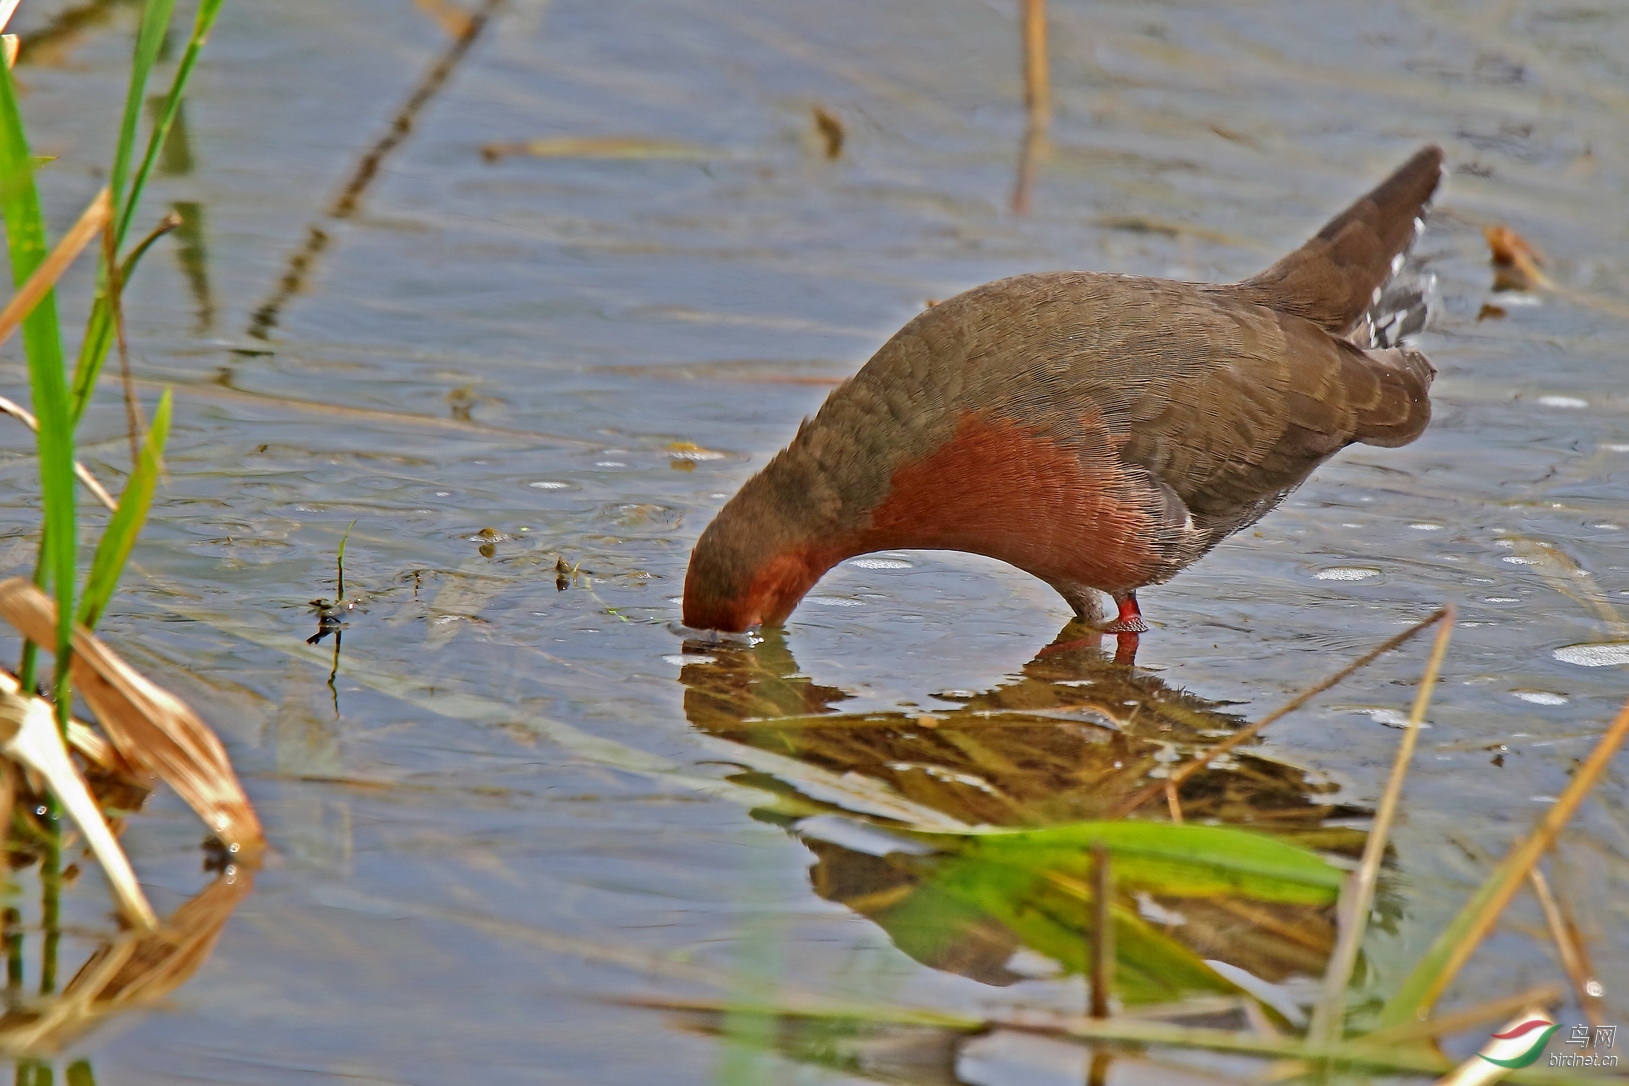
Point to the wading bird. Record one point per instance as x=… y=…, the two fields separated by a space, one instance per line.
x=1100 y=432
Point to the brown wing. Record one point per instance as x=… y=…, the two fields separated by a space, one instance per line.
x=1275 y=397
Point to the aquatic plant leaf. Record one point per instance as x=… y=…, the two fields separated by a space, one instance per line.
x=150 y=727
x=1036 y=883
x=50 y=269
x=155 y=23
x=99 y=328
x=1171 y=860
x=1053 y=917
x=42 y=343
x=203 y=21
x=119 y=539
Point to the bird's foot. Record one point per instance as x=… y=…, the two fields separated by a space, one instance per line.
x=1130 y=618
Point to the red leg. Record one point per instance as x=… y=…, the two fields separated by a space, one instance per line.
x=1130 y=620
x=1125 y=649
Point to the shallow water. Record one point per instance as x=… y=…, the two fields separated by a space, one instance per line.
x=500 y=817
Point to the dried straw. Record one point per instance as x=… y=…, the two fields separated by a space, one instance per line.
x=151 y=728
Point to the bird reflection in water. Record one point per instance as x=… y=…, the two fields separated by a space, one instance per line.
x=1068 y=739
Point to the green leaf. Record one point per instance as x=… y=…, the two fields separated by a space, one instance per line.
x=26 y=242
x=202 y=23
x=113 y=552
x=155 y=22
x=1052 y=916
x=99 y=329
x=1184 y=860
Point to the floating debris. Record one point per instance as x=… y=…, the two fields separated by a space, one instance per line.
x=1516 y=261
x=831 y=132
x=599 y=147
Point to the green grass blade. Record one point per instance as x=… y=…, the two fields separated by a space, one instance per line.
x=113 y=552
x=98 y=339
x=26 y=241
x=155 y=22
x=99 y=331
x=92 y=352
x=1181 y=860
x=202 y=23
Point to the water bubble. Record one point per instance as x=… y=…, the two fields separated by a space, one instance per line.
x=1571 y=403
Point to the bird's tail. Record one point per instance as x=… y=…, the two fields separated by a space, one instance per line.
x=1335 y=280
x=1402 y=310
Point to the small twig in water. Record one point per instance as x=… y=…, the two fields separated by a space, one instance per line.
x=115 y=304
x=1585 y=988
x=26 y=417
x=1174 y=801
x=1102 y=963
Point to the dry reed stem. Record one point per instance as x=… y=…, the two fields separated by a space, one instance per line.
x=8 y=8
x=26 y=417
x=1037 y=102
x=1250 y=731
x=35 y=742
x=1464 y=1018
x=1513 y=870
x=134 y=427
x=151 y=728
x=1102 y=949
x=1037 y=75
x=1174 y=801
x=1357 y=898
x=10 y=46
x=1573 y=960
x=39 y=284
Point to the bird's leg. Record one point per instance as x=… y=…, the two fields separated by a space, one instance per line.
x=1130 y=620
x=1125 y=649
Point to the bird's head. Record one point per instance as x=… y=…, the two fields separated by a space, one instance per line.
x=750 y=568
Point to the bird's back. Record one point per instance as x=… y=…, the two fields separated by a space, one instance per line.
x=1225 y=401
